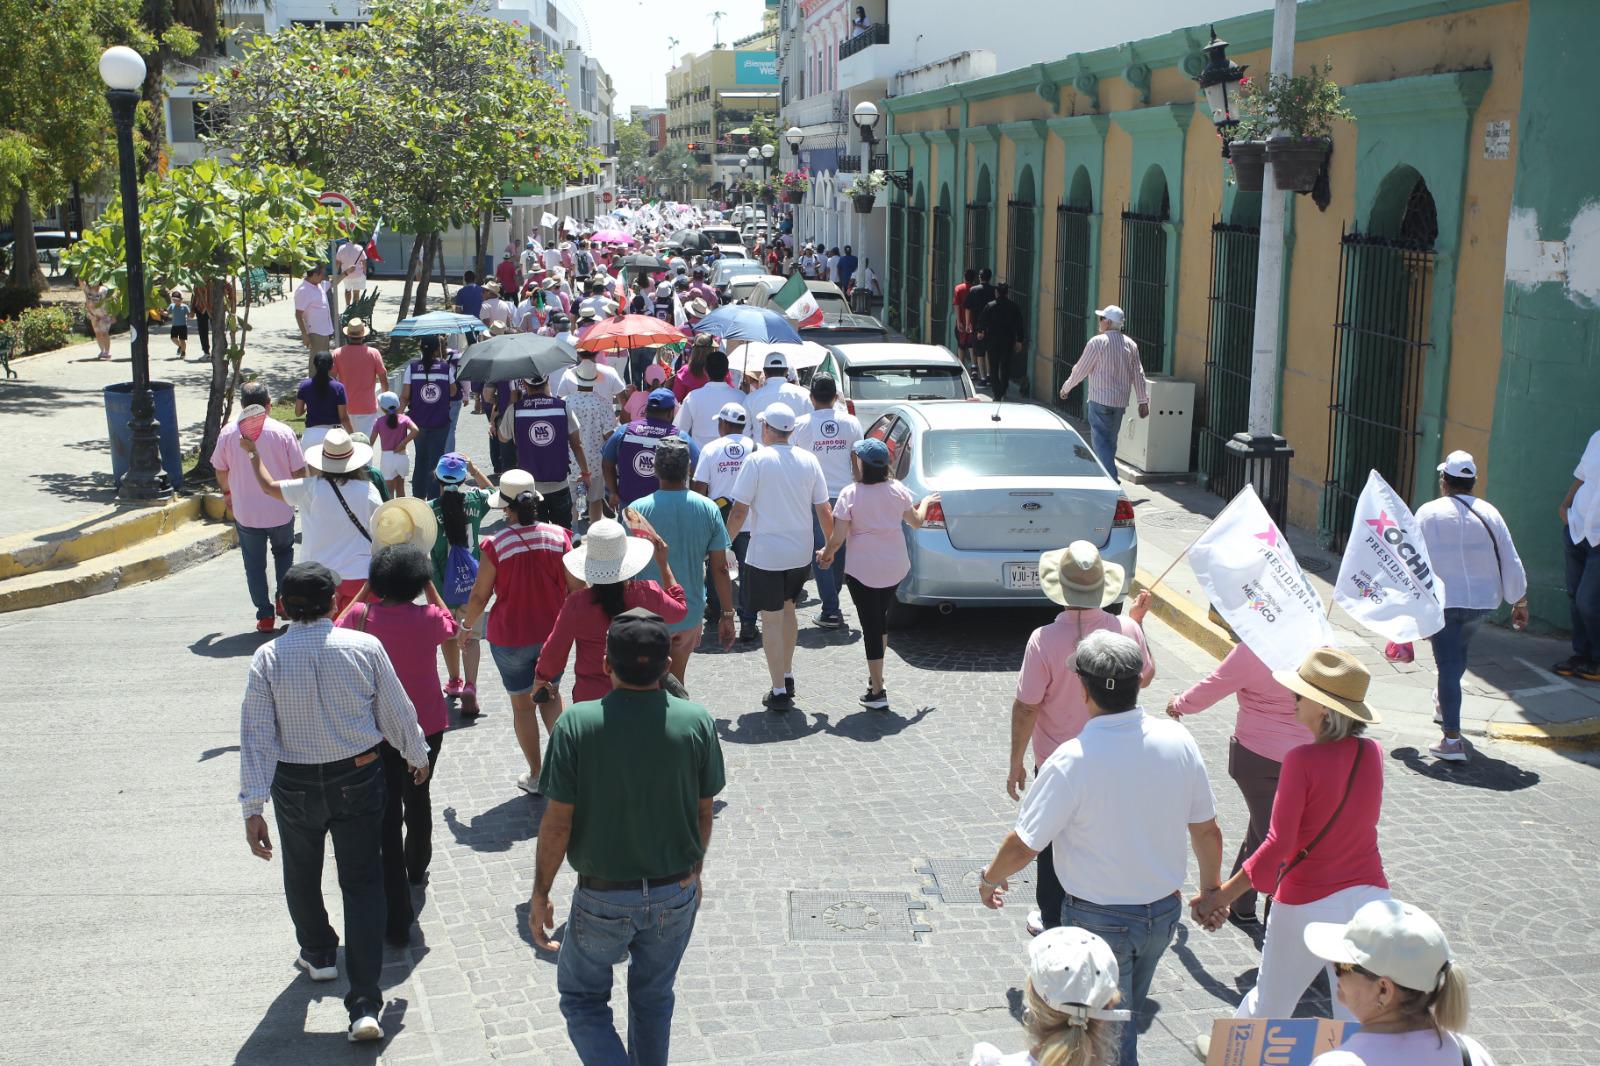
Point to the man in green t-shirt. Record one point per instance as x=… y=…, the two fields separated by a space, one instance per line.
x=628 y=782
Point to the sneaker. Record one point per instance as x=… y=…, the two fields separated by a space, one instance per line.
x=875 y=701
x=748 y=633
x=1567 y=667
x=454 y=687
x=829 y=621
x=529 y=784
x=777 y=701
x=788 y=685
x=365 y=1027
x=1035 y=922
x=1202 y=1046
x=469 y=701
x=266 y=625
x=319 y=965
x=1587 y=670
x=1449 y=750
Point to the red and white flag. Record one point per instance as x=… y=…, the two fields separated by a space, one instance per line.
x=799 y=306
x=1386 y=581
x=372 y=243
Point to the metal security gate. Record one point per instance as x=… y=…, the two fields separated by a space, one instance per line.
x=979 y=237
x=1072 y=301
x=1381 y=345
x=1230 y=334
x=897 y=248
x=916 y=259
x=1144 y=286
x=939 y=313
x=1022 y=265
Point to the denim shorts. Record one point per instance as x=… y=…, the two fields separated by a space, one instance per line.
x=515 y=663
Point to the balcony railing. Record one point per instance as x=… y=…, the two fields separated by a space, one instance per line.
x=851 y=164
x=877 y=33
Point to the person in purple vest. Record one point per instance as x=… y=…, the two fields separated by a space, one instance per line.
x=545 y=432
x=428 y=393
x=629 y=457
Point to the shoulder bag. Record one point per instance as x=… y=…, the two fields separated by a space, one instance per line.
x=1493 y=542
x=339 y=495
x=1300 y=855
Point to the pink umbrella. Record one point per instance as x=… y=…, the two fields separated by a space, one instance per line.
x=612 y=236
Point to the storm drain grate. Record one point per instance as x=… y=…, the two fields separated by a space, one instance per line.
x=1175 y=519
x=854 y=917
x=956 y=880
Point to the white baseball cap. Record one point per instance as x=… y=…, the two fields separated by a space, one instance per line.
x=1112 y=314
x=732 y=413
x=1459 y=464
x=1387 y=938
x=1074 y=972
x=776 y=361
x=780 y=416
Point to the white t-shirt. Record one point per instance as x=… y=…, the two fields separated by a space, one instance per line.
x=697 y=414
x=313 y=301
x=496 y=311
x=772 y=391
x=1419 y=1048
x=828 y=434
x=989 y=1055
x=1117 y=801
x=606 y=386
x=327 y=535
x=782 y=485
x=351 y=257
x=720 y=463
x=1583 y=517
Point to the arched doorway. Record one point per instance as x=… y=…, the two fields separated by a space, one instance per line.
x=1142 y=289
x=980 y=229
x=1022 y=258
x=941 y=290
x=1382 y=342
x=1074 y=273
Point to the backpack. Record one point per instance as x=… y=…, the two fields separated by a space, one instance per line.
x=460 y=574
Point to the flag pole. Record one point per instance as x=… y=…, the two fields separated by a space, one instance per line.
x=1151 y=587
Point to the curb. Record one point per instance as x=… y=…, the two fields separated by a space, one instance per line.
x=1191 y=623
x=138 y=566
x=86 y=539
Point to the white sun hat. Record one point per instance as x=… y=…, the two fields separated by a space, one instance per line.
x=608 y=554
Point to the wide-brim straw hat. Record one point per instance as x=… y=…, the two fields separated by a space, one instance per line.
x=355 y=329
x=405 y=520
x=338 y=454
x=1076 y=576
x=1333 y=678
x=608 y=554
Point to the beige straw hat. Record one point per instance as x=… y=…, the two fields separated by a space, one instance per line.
x=608 y=554
x=338 y=454
x=1335 y=679
x=1076 y=576
x=405 y=520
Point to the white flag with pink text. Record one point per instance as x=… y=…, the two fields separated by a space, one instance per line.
x=1386 y=581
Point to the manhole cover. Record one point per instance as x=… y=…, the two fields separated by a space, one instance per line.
x=1175 y=519
x=956 y=880
x=1313 y=566
x=854 y=917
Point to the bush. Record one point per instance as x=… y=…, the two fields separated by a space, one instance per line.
x=38 y=329
x=13 y=301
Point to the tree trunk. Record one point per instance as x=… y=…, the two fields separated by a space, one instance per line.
x=25 y=272
x=480 y=238
x=411 y=274
x=428 y=244
x=216 y=412
x=444 y=276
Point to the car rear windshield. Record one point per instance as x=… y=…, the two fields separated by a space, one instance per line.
x=721 y=234
x=1006 y=453
x=906 y=383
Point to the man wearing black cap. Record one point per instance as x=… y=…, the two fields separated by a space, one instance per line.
x=318 y=702
x=628 y=782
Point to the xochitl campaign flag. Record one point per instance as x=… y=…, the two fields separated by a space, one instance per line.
x=799 y=306
x=547 y=219
x=1386 y=581
x=1245 y=566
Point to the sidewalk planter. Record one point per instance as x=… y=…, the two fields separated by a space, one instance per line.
x=794 y=196
x=119 y=410
x=1249 y=159
x=863 y=204
x=1296 y=162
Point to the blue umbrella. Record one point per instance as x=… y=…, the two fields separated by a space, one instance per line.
x=437 y=323
x=740 y=322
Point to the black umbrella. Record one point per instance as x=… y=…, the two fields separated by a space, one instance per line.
x=647 y=263
x=691 y=240
x=513 y=356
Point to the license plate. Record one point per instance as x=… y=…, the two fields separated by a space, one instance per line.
x=1022 y=575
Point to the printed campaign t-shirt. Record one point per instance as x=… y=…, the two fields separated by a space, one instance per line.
x=720 y=463
x=322 y=408
x=875 y=552
x=828 y=433
x=430 y=393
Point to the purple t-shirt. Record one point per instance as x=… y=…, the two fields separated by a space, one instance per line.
x=322 y=408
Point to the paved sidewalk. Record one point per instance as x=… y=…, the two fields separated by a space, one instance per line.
x=53 y=417
x=1508 y=691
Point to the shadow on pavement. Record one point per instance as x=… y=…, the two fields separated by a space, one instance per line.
x=280 y=1037
x=1227 y=995
x=1482 y=771
x=498 y=828
x=868 y=726
x=239 y=645
x=768 y=727
x=94 y=487
x=25 y=398
x=558 y=934
x=212 y=753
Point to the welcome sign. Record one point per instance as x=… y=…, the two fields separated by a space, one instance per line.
x=755 y=68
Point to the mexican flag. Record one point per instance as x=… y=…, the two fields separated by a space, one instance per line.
x=798 y=305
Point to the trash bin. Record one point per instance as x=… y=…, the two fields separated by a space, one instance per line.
x=119 y=411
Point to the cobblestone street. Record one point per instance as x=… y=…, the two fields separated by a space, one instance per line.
x=142 y=931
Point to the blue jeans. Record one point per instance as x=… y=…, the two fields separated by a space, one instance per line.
x=1583 y=587
x=829 y=580
x=430 y=447
x=455 y=417
x=347 y=801
x=1450 y=657
x=1138 y=935
x=253 y=550
x=651 y=927
x=1104 y=425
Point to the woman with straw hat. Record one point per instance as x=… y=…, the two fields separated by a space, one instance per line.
x=1320 y=860
x=606 y=564
x=336 y=506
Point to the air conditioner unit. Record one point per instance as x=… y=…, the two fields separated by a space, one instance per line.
x=1159 y=444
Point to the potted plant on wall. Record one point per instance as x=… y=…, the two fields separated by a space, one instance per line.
x=1247 y=148
x=864 y=191
x=767 y=190
x=1298 y=110
x=794 y=184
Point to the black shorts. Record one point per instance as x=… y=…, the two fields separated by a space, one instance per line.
x=180 y=333
x=770 y=589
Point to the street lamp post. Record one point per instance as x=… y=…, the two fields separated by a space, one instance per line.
x=685 y=168
x=122 y=69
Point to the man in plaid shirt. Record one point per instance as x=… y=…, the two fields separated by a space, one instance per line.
x=1110 y=363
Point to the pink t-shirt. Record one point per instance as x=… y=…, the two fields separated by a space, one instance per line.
x=411 y=633
x=1049 y=680
x=280 y=455
x=875 y=552
x=390 y=437
x=1266 y=723
x=360 y=369
x=634 y=406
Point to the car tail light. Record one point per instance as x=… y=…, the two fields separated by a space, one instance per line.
x=1124 y=515
x=850 y=405
x=934 y=519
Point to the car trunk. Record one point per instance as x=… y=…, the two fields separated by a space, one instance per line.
x=1027 y=515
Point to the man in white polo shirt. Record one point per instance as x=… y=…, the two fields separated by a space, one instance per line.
x=775 y=389
x=697 y=414
x=715 y=474
x=1115 y=803
x=828 y=433
x=779 y=488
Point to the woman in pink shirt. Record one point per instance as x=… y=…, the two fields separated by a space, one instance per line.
x=1262 y=735
x=1320 y=859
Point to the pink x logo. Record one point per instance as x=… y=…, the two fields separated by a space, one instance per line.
x=1270 y=535
x=1382 y=522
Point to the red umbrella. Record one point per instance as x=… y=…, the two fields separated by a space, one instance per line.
x=629 y=332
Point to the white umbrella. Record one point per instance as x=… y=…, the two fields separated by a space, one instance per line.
x=747 y=357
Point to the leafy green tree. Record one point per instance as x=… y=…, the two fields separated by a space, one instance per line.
x=633 y=151
x=204 y=225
